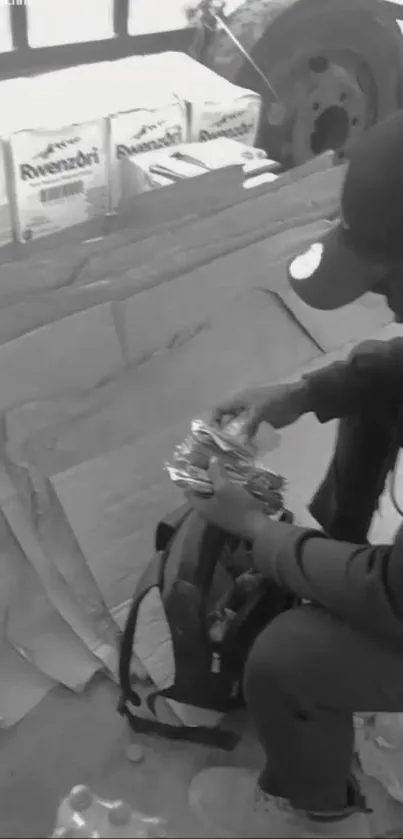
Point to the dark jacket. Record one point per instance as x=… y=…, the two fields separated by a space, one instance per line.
x=362 y=584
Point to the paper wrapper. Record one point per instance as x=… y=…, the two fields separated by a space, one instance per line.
x=239 y=458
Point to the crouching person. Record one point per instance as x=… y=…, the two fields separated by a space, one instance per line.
x=315 y=666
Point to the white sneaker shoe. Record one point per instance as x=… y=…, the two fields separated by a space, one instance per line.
x=231 y=804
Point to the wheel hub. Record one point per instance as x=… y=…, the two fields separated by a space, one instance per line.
x=330 y=111
x=331 y=129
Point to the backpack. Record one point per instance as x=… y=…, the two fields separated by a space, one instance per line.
x=197 y=610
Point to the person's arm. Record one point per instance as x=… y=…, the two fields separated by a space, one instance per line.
x=361 y=584
x=343 y=388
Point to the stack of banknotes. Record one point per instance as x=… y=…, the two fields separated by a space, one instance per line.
x=239 y=457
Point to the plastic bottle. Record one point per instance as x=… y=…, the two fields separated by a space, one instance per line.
x=121 y=821
x=80 y=810
x=74 y=833
x=389 y=731
x=83 y=815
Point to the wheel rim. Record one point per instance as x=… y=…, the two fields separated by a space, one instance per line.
x=331 y=113
x=328 y=106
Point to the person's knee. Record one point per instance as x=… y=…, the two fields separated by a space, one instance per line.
x=275 y=658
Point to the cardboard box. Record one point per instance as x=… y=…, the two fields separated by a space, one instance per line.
x=146 y=128
x=59 y=177
x=152 y=170
x=215 y=107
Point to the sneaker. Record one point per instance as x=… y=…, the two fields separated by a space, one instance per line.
x=231 y=804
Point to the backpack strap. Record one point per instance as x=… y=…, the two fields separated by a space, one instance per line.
x=217 y=737
x=165 y=537
x=169 y=525
x=152 y=578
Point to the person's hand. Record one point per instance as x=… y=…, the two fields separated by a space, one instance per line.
x=278 y=405
x=231 y=508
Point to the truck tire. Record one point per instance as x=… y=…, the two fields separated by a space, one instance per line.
x=336 y=65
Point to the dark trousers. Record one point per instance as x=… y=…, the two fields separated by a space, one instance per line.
x=308 y=672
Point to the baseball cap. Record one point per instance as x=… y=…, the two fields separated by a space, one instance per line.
x=344 y=264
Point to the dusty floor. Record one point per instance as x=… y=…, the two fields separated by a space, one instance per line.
x=70 y=739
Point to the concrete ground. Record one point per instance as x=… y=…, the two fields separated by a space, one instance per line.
x=81 y=739
x=71 y=739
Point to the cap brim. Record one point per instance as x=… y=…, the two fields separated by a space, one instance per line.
x=331 y=273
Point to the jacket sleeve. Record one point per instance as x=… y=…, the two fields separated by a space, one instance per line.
x=343 y=388
x=361 y=584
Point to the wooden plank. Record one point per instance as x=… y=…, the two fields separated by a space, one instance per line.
x=247 y=338
x=145 y=216
x=65 y=259
x=76 y=352
x=192 y=299
x=52 y=264
x=56 y=260
x=38 y=309
x=165 y=256
x=112 y=501
x=335 y=329
x=187 y=246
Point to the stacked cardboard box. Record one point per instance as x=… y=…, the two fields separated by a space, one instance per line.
x=69 y=138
